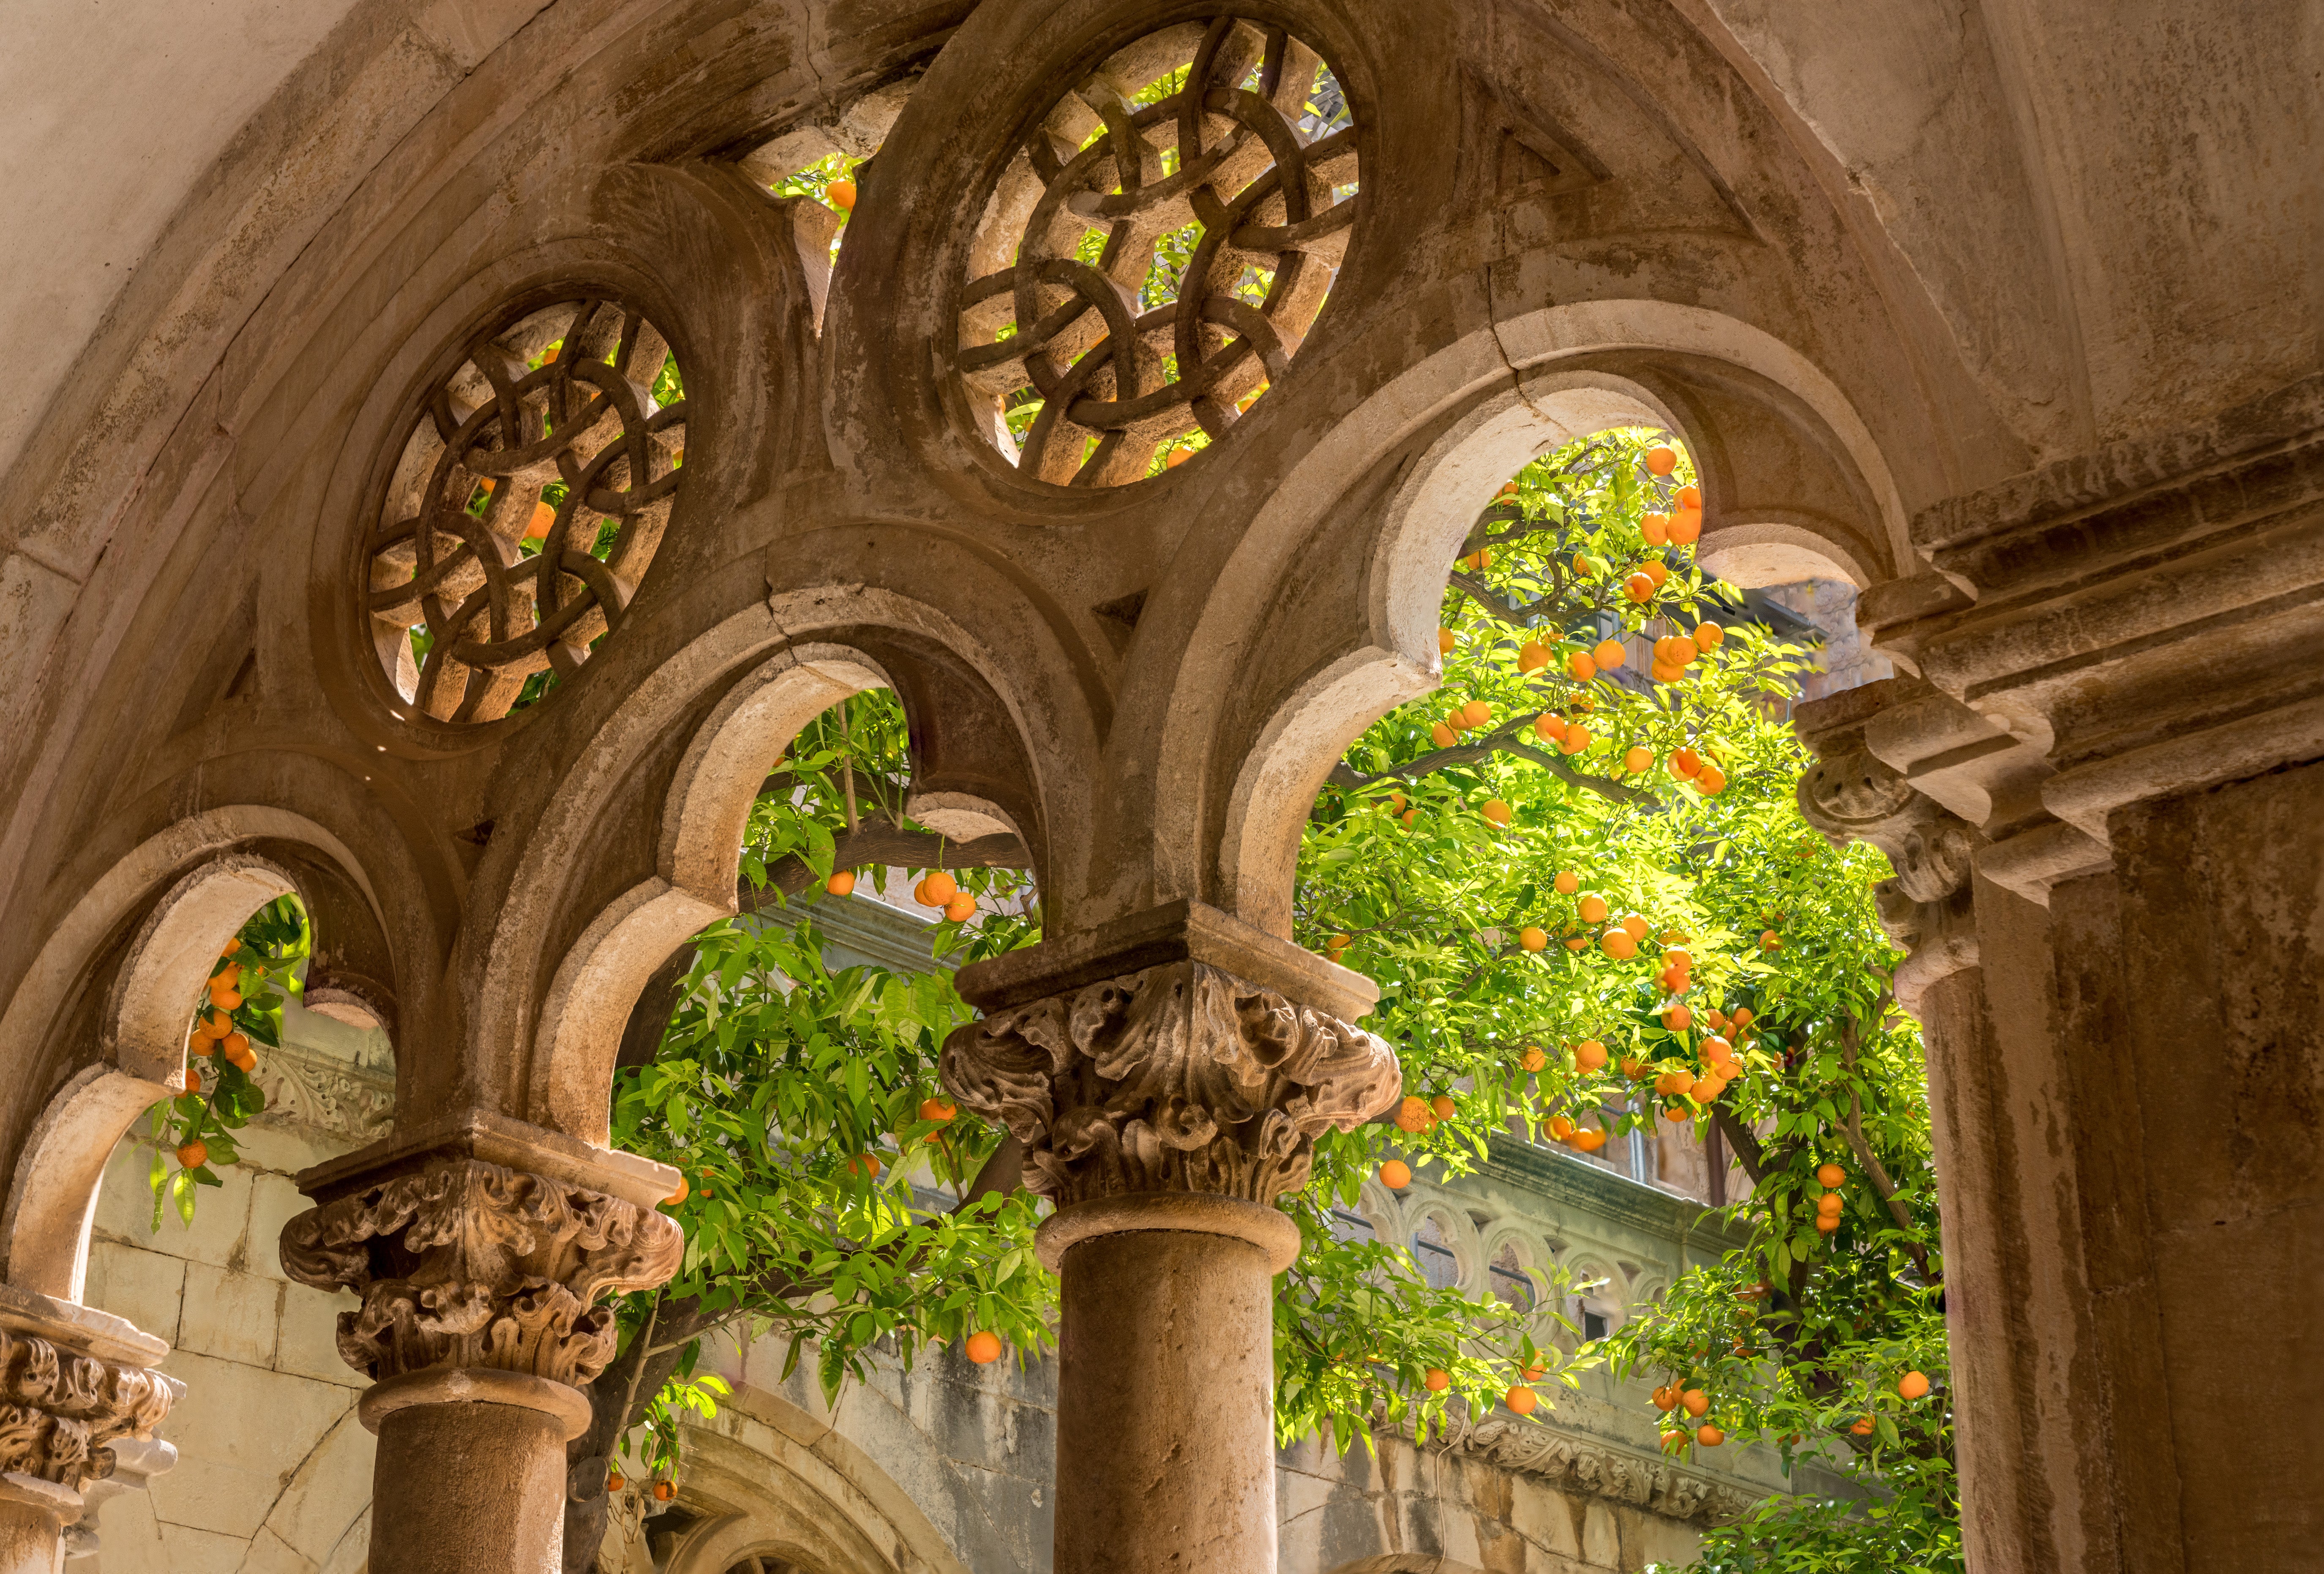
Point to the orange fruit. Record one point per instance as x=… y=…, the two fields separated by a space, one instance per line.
x=1830 y=1176
x=1708 y=1436
x=1830 y=1204
x=1619 y=944
x=234 y=1046
x=225 y=999
x=1685 y=763
x=1677 y=1018
x=1581 y=668
x=1521 y=1399
x=1709 y=781
x=1443 y=736
x=1533 y=657
x=1533 y=939
x=1770 y=941
x=1495 y=811
x=194 y=1155
x=1705 y=1090
x=537 y=528
x=1533 y=1060
x=1396 y=1174
x=1638 y=588
x=1590 y=1140
x=1826 y=1223
x=1178 y=457
x=938 y=1109
x=1593 y=910
x=1443 y=1106
x=678 y=1196
x=1577 y=738
x=1656 y=570
x=664 y=1491
x=231 y=947
x=1395 y=803
x=1582 y=567
x=1577 y=943
x=1912 y=1385
x=866 y=1164
x=1409 y=815
x=1567 y=882
x=1654 y=527
x=1743 y=1015
x=1686 y=527
x=1681 y=650
x=1444 y=641
x=1609 y=655
x=615 y=1481
x=1550 y=727
x=1590 y=1055
x=1637 y=925
x=192 y=1083
x=1863 y=1428
x=842 y=194
x=1689 y=497
x=1673 y=1439
x=1437 y=1379
x=1710 y=636
x=1661 y=461
x=937 y=889
x=961 y=908
x=1715 y=1048
x=1670 y=1084
x=1696 y=1401
x=1560 y=1129
x=982 y=1347
x=1479 y=714
x=1412 y=1115
x=840 y=883
x=1666 y=1397
x=1637 y=757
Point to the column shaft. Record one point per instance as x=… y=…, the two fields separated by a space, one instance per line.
x=1165 y=1446
x=31 y=1537
x=459 y=1488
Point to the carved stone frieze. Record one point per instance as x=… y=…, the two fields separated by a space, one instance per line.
x=472 y=1265
x=1574 y=1462
x=1176 y=1078
x=59 y=1409
x=326 y=1092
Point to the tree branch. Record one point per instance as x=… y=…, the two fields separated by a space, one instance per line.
x=1501 y=740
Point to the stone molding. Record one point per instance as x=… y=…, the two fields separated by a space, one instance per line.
x=61 y=1409
x=1577 y=1463
x=325 y=1092
x=1176 y=1078
x=466 y=1263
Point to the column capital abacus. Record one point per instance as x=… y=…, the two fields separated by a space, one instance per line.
x=1181 y=1075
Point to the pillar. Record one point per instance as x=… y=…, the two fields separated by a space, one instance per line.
x=1165 y=1097
x=480 y=1250
x=2116 y=691
x=74 y=1384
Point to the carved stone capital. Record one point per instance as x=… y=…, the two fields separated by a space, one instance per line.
x=61 y=1409
x=463 y=1263
x=1181 y=1077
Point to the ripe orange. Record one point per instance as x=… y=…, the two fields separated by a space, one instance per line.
x=1593 y=910
x=1412 y=1115
x=193 y=1080
x=1444 y=641
x=1559 y=1127
x=866 y=1164
x=1710 y=636
x=1708 y=1436
x=1670 y=1084
x=1686 y=527
x=1709 y=781
x=1409 y=815
x=1178 y=457
x=840 y=883
x=1533 y=939
x=1521 y=1399
x=938 y=1109
x=1830 y=1204
x=235 y=1046
x=1830 y=1176
x=1705 y=1090
x=1743 y=1015
x=537 y=527
x=1696 y=1401
x=1863 y=1428
x=1716 y=1049
x=1396 y=1174
x=1479 y=714
x=1581 y=668
x=1637 y=925
x=1913 y=1385
x=1395 y=803
x=842 y=194
x=1619 y=944
x=940 y=887
x=225 y=999
x=1656 y=570
x=1582 y=567
x=1677 y=1018
x=1770 y=941
x=664 y=1491
x=615 y=1481
x=1609 y=655
x=1443 y=736
x=1638 y=588
x=678 y=1196
x=1577 y=943
x=1666 y=1396
x=982 y=1347
x=1590 y=1055
x=1689 y=497
x=1681 y=650
x=1589 y=1139
x=1495 y=811
x=1443 y=1106
x=1654 y=527
x=1437 y=1379
x=1533 y=657
x=231 y=947
x=1686 y=762
x=1533 y=1060
x=1673 y=1439
x=1826 y=1223
x=1567 y=882
x=194 y=1155
x=1549 y=727
x=960 y=909
x=1637 y=757
x=1577 y=738
x=1661 y=461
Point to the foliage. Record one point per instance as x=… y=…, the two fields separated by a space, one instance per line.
x=240 y=1008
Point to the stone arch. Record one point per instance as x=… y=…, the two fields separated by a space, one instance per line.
x=140 y=1026
x=1510 y=1239
x=1455 y=425
x=758 y=688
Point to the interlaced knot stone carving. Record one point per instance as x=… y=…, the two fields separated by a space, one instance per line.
x=529 y=499
x=1156 y=250
x=1179 y=1078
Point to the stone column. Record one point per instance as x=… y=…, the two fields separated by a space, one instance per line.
x=75 y=1383
x=480 y=1251
x=1167 y=1079
x=2121 y=693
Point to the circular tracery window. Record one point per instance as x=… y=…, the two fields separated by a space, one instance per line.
x=526 y=506
x=1152 y=257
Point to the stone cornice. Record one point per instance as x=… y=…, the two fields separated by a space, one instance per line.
x=1564 y=1181
x=1577 y=1462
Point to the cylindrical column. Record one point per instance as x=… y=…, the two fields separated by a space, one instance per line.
x=33 y=1514
x=467 y=1483
x=1166 y=1445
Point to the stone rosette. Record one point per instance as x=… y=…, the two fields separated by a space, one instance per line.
x=1178 y=1078
x=465 y=1264
x=61 y=1409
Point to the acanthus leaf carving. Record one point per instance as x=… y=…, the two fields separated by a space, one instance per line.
x=59 y=1409
x=467 y=1264
x=1179 y=1078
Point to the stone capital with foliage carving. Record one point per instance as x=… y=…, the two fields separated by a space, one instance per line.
x=467 y=1264
x=1850 y=795
x=59 y=1409
x=1178 y=1078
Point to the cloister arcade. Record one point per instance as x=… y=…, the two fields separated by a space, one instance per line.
x=2006 y=314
